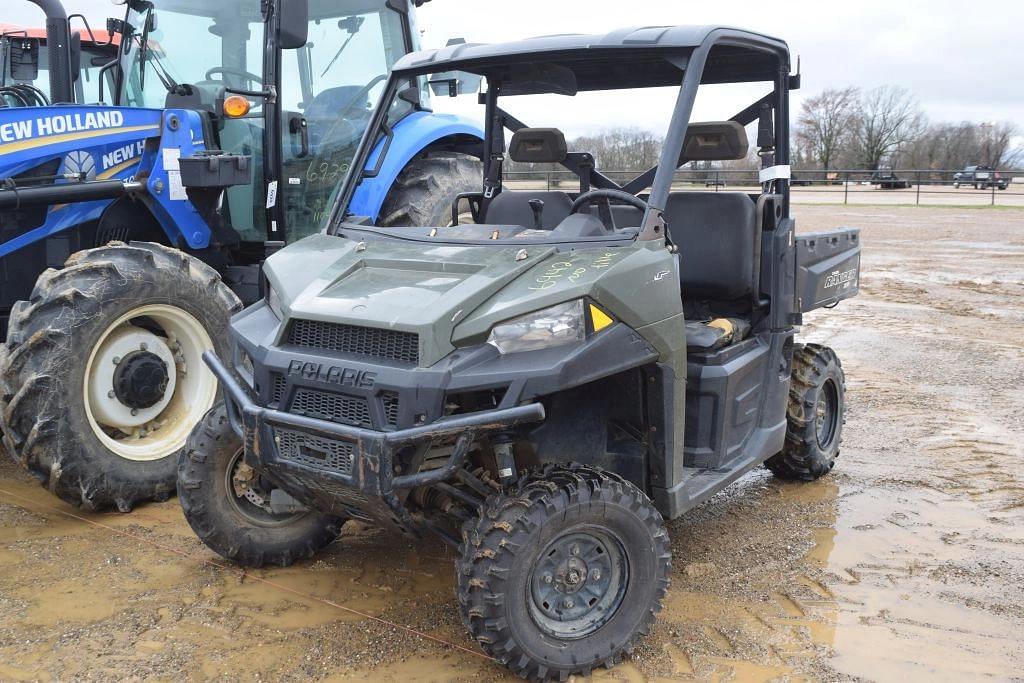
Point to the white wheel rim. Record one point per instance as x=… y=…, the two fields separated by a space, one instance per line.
x=157 y=432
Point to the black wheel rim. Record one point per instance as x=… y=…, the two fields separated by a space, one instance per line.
x=252 y=511
x=578 y=582
x=827 y=414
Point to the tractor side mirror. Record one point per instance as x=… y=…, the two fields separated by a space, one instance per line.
x=293 y=24
x=76 y=56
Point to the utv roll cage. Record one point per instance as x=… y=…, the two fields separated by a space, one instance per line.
x=684 y=56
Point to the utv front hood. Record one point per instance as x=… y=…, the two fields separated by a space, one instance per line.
x=419 y=288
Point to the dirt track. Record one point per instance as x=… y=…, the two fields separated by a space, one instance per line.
x=907 y=562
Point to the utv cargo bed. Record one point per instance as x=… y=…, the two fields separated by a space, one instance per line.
x=827 y=268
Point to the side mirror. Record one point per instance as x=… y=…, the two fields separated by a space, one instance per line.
x=76 y=56
x=293 y=24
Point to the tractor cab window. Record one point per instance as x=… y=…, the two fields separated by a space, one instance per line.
x=328 y=90
x=24 y=60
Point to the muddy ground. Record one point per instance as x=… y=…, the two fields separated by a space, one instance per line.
x=906 y=563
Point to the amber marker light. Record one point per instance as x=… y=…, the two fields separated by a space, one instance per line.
x=236 y=107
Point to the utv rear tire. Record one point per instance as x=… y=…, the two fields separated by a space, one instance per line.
x=56 y=389
x=229 y=524
x=563 y=574
x=815 y=416
x=425 y=191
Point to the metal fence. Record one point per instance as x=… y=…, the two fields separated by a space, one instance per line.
x=899 y=186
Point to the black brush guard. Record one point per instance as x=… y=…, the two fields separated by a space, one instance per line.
x=370 y=488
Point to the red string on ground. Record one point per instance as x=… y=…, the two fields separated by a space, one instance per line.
x=247 y=575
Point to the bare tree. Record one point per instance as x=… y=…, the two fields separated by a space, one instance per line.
x=622 y=149
x=888 y=118
x=996 y=144
x=950 y=146
x=825 y=124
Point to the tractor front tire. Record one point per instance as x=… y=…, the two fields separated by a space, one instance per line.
x=228 y=507
x=564 y=573
x=425 y=191
x=815 y=416
x=102 y=379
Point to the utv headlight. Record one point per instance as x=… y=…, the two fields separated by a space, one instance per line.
x=274 y=301
x=555 y=326
x=244 y=367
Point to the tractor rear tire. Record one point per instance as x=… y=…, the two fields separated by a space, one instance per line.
x=425 y=191
x=815 y=416
x=228 y=509
x=563 y=574
x=102 y=379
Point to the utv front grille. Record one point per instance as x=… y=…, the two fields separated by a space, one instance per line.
x=314 y=451
x=348 y=410
x=352 y=339
x=279 y=389
x=390 y=400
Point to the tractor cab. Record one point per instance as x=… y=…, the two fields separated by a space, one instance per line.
x=289 y=83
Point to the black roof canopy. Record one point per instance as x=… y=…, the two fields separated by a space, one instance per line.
x=626 y=58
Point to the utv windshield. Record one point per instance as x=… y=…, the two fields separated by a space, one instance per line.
x=574 y=145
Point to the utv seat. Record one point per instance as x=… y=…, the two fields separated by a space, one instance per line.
x=513 y=208
x=532 y=146
x=715 y=334
x=719 y=250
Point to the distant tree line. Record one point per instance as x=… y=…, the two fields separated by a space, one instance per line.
x=840 y=128
x=885 y=127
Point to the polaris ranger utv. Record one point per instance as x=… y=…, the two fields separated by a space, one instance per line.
x=543 y=386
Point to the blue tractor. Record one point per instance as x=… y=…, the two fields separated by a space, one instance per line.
x=131 y=232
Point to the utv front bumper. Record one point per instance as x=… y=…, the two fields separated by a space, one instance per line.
x=346 y=470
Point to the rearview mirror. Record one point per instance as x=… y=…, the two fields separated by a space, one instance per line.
x=293 y=24
x=454 y=83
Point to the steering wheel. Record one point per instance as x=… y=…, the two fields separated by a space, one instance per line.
x=607 y=216
x=360 y=96
x=250 y=78
x=341 y=128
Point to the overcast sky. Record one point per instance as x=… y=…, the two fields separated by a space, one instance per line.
x=963 y=60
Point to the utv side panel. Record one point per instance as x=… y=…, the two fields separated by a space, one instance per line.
x=723 y=395
x=827 y=268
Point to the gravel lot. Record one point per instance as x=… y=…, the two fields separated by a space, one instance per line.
x=907 y=562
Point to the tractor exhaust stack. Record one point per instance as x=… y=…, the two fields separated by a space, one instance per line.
x=58 y=44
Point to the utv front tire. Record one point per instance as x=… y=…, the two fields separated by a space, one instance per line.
x=564 y=574
x=103 y=380
x=425 y=191
x=815 y=416
x=227 y=507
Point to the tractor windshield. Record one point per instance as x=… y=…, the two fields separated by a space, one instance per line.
x=204 y=44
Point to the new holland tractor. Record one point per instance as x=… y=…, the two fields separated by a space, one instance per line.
x=131 y=232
